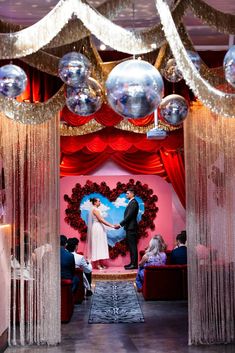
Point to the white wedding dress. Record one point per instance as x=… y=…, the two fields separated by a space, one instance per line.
x=98 y=239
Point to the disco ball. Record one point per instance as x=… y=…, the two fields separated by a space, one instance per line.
x=134 y=89
x=171 y=71
x=85 y=100
x=195 y=58
x=173 y=109
x=13 y=81
x=74 y=69
x=229 y=66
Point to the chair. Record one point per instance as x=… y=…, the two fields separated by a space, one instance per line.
x=67 y=302
x=166 y=282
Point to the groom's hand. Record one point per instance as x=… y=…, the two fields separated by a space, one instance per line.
x=117 y=226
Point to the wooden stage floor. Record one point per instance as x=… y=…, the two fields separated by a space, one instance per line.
x=113 y=274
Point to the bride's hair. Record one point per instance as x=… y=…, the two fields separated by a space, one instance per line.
x=93 y=200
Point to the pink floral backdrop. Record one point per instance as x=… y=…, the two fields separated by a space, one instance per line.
x=166 y=215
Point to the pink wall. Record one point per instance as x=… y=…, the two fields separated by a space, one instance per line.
x=165 y=216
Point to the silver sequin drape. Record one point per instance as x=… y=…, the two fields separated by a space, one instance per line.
x=210 y=189
x=31 y=170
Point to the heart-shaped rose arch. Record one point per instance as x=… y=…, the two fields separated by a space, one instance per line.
x=73 y=212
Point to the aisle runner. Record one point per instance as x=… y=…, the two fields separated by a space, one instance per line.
x=115 y=302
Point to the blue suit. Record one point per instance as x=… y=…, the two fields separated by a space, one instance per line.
x=67 y=267
x=179 y=255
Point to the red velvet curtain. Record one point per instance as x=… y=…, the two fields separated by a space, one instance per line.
x=139 y=162
x=81 y=163
x=173 y=163
x=40 y=86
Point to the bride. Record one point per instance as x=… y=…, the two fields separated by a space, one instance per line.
x=97 y=242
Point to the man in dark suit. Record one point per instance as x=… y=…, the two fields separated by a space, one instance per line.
x=179 y=254
x=131 y=227
x=67 y=263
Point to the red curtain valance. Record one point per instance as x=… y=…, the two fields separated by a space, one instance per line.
x=111 y=139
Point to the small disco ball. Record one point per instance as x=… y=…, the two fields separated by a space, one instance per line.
x=13 y=81
x=173 y=109
x=171 y=71
x=195 y=58
x=85 y=100
x=134 y=89
x=74 y=69
x=229 y=66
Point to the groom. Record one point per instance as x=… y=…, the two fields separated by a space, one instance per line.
x=131 y=226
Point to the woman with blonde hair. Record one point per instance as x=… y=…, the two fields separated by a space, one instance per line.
x=162 y=243
x=154 y=255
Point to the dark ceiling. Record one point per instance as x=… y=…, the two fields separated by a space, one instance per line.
x=27 y=12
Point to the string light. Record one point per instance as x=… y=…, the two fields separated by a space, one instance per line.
x=103 y=47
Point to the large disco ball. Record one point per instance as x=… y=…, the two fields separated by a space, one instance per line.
x=13 y=81
x=74 y=69
x=134 y=88
x=171 y=71
x=229 y=66
x=173 y=109
x=195 y=58
x=85 y=100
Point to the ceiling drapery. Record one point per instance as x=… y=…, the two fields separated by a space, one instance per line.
x=33 y=113
x=218 y=101
x=22 y=43
x=105 y=116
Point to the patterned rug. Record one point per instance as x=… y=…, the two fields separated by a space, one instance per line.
x=115 y=302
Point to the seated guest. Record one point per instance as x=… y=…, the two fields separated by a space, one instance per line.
x=154 y=255
x=179 y=254
x=82 y=263
x=67 y=263
x=162 y=241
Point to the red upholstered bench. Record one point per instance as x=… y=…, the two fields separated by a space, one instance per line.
x=66 y=300
x=167 y=282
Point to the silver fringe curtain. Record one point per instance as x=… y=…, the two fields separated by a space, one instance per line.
x=210 y=181
x=31 y=170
